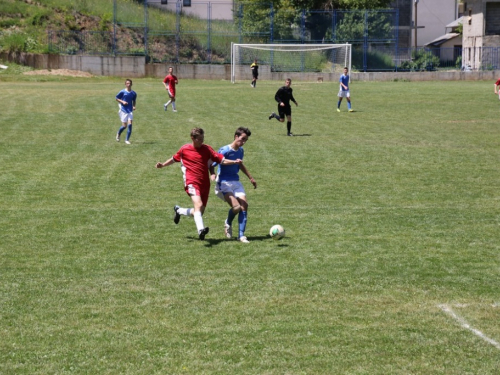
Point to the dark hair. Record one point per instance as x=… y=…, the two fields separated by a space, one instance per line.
x=242 y=130
x=128 y=80
x=195 y=132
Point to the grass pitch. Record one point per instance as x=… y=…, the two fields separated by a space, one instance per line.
x=391 y=213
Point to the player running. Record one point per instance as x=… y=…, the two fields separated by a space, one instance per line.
x=169 y=82
x=283 y=97
x=127 y=99
x=229 y=187
x=195 y=159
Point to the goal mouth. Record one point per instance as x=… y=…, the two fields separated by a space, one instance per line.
x=288 y=58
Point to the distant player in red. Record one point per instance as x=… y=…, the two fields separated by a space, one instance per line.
x=195 y=159
x=497 y=88
x=169 y=82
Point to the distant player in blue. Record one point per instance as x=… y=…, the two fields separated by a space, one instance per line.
x=344 y=90
x=127 y=99
x=229 y=187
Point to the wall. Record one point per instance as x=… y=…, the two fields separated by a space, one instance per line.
x=434 y=15
x=136 y=67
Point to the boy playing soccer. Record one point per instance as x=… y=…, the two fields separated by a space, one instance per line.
x=229 y=187
x=344 y=90
x=195 y=159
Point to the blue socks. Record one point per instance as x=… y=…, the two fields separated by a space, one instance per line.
x=230 y=217
x=242 y=221
x=129 y=132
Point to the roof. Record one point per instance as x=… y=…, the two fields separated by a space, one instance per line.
x=456 y=23
x=442 y=39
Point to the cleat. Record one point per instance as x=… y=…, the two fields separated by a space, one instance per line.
x=165 y=107
x=127 y=142
x=272 y=115
x=202 y=233
x=338 y=109
x=228 y=230
x=117 y=138
x=243 y=239
x=174 y=110
x=177 y=216
x=351 y=110
x=290 y=134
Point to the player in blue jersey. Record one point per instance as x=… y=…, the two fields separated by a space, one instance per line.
x=229 y=187
x=127 y=99
x=344 y=90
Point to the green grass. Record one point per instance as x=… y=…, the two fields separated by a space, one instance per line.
x=390 y=212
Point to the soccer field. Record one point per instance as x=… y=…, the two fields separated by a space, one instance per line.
x=390 y=264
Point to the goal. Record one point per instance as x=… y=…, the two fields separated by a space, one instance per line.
x=303 y=58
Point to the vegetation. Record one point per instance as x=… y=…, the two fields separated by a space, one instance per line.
x=391 y=221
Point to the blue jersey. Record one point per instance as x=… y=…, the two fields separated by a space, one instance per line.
x=128 y=96
x=345 y=80
x=230 y=172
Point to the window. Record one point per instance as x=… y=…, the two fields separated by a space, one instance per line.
x=492 y=19
x=186 y=3
x=164 y=1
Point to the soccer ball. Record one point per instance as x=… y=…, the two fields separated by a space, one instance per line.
x=277 y=232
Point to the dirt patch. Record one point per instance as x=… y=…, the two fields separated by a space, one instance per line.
x=59 y=72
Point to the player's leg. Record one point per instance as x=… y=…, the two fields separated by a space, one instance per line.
x=198 y=210
x=338 y=103
x=174 y=108
x=242 y=218
x=129 y=131
x=124 y=121
x=233 y=211
x=289 y=123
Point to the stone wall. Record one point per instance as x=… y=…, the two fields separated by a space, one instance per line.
x=136 y=67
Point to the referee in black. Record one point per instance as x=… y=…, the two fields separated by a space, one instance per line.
x=283 y=96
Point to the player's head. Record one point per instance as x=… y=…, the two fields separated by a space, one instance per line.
x=288 y=82
x=241 y=136
x=198 y=135
x=346 y=69
x=128 y=82
x=170 y=69
x=242 y=130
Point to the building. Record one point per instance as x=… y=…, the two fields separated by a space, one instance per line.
x=481 y=34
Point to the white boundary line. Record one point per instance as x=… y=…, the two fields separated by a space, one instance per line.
x=447 y=309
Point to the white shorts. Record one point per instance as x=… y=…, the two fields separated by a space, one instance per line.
x=234 y=187
x=125 y=117
x=344 y=94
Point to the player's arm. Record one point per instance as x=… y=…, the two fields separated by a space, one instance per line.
x=230 y=162
x=277 y=97
x=245 y=171
x=293 y=100
x=211 y=169
x=496 y=88
x=166 y=164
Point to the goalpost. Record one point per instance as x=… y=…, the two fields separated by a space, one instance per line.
x=302 y=58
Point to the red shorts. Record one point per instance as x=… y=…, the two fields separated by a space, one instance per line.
x=198 y=191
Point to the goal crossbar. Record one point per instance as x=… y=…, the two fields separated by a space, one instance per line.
x=275 y=55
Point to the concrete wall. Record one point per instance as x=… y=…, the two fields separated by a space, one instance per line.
x=136 y=67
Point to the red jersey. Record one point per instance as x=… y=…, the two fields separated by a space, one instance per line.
x=497 y=82
x=171 y=81
x=196 y=162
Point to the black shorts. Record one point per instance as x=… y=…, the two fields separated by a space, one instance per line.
x=284 y=111
x=255 y=75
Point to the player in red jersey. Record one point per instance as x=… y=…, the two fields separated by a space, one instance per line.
x=497 y=87
x=169 y=82
x=196 y=159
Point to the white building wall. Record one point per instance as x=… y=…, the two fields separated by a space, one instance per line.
x=434 y=15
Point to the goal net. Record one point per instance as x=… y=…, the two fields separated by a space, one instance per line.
x=302 y=58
